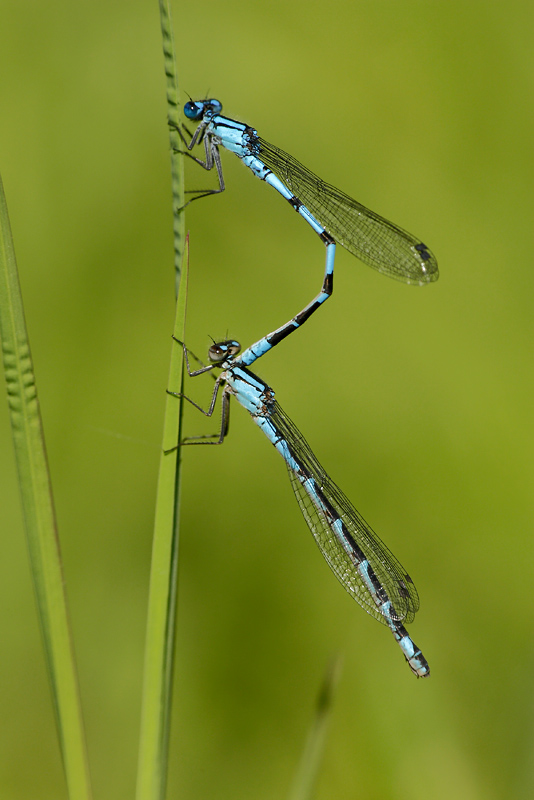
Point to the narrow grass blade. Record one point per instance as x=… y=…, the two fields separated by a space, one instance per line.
x=306 y=777
x=173 y=116
x=39 y=517
x=161 y=621
x=159 y=649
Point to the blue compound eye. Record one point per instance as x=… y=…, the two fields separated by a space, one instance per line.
x=193 y=110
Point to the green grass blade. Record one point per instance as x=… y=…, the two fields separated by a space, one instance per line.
x=306 y=777
x=159 y=648
x=161 y=621
x=173 y=117
x=39 y=517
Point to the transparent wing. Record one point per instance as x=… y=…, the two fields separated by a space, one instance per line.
x=326 y=501
x=373 y=239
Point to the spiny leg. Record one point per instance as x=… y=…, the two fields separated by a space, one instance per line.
x=213 y=158
x=225 y=419
x=225 y=405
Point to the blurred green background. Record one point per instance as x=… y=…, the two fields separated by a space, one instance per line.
x=417 y=401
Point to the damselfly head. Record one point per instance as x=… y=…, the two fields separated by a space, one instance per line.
x=195 y=109
x=220 y=351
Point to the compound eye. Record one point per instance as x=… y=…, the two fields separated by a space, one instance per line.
x=193 y=110
x=221 y=350
x=217 y=352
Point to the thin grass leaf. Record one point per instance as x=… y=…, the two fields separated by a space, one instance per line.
x=310 y=763
x=173 y=118
x=39 y=517
x=161 y=621
x=159 y=648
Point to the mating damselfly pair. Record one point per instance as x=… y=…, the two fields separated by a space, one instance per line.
x=363 y=564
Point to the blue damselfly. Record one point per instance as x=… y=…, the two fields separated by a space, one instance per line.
x=361 y=561
x=333 y=215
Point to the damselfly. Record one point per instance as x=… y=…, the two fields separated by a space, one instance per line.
x=360 y=560
x=333 y=215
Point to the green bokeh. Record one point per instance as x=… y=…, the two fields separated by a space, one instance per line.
x=417 y=401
